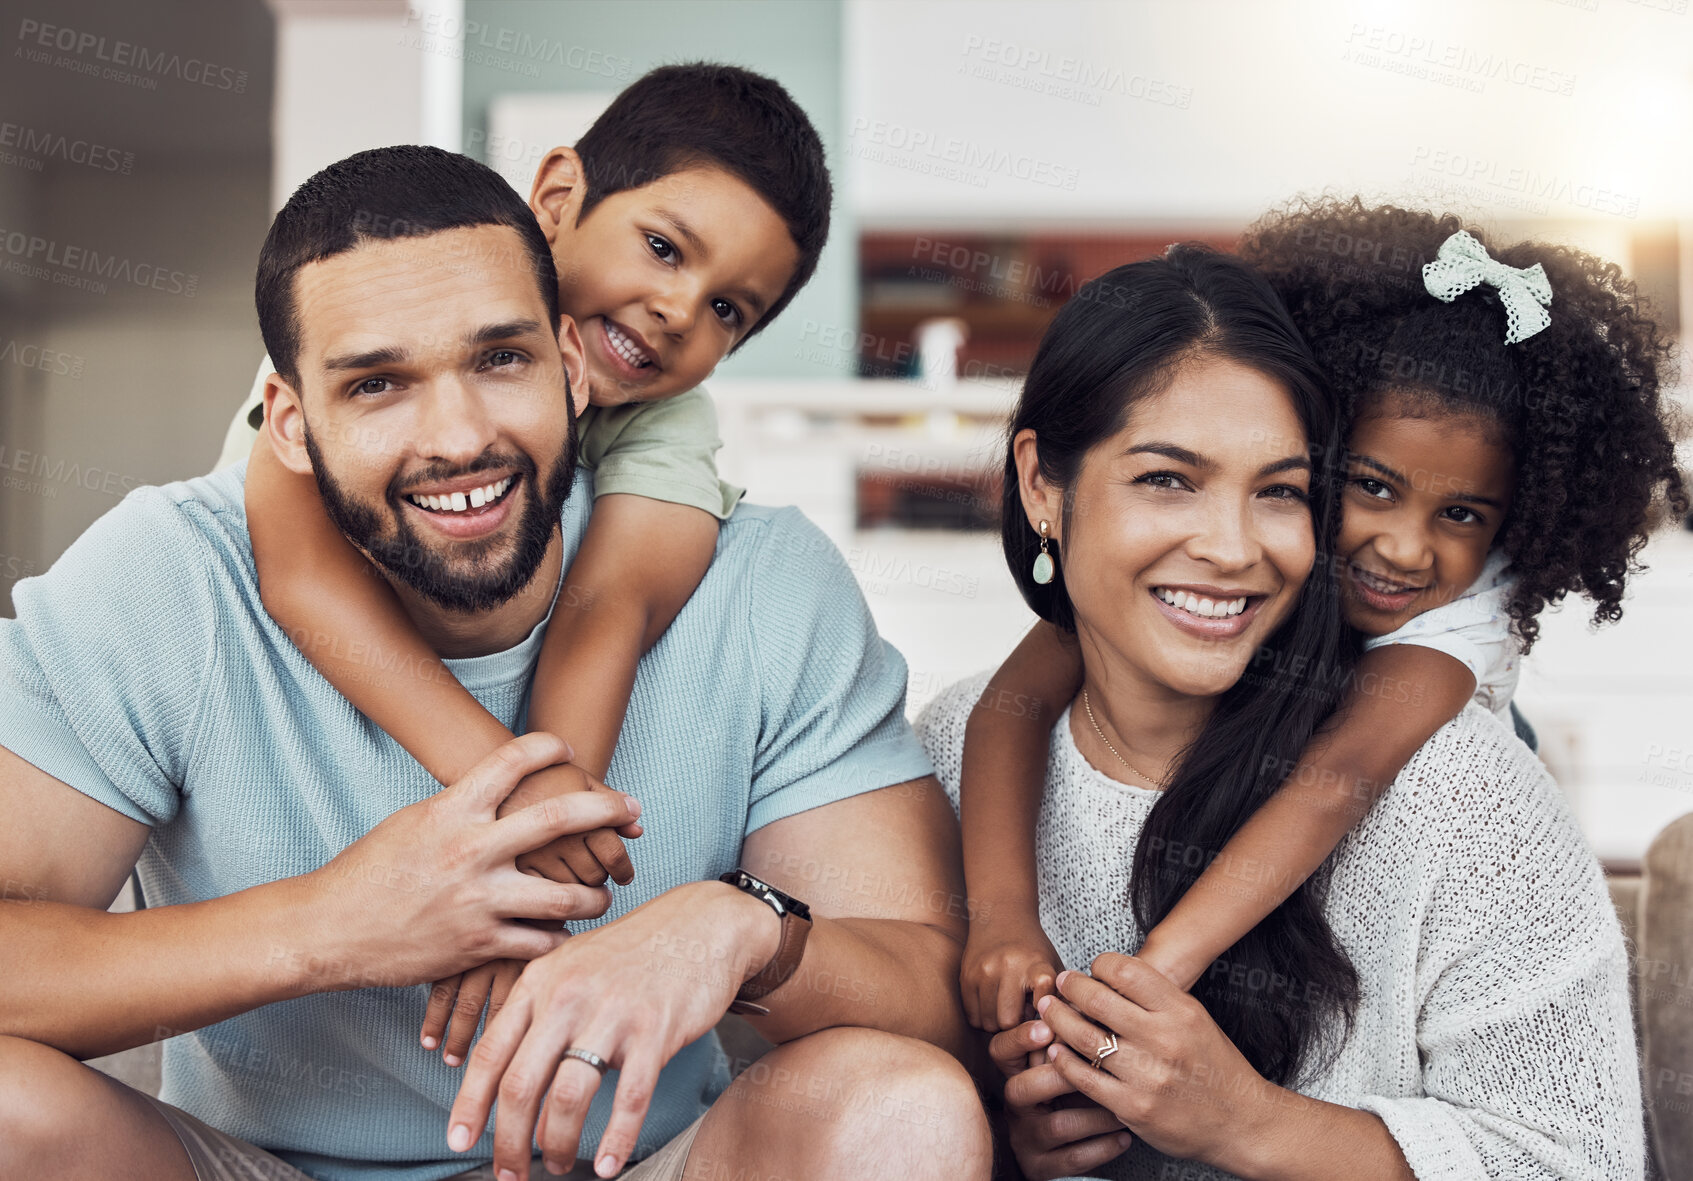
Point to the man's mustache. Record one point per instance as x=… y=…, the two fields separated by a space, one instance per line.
x=439 y=473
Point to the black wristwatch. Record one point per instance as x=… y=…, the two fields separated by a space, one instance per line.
x=796 y=929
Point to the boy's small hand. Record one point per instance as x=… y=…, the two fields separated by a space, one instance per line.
x=461 y=998
x=588 y=858
x=572 y=859
x=1008 y=966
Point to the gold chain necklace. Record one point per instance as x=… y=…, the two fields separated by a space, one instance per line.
x=1088 y=706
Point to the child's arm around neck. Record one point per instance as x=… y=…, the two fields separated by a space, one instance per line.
x=1006 y=739
x=333 y=603
x=639 y=563
x=1401 y=695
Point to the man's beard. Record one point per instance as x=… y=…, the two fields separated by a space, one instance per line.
x=401 y=552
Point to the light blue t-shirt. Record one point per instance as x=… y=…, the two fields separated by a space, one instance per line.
x=143 y=670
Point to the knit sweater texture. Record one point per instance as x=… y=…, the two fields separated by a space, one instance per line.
x=1493 y=1035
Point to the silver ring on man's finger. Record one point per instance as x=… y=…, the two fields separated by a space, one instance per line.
x=588 y=1056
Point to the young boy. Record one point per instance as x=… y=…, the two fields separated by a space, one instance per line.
x=684 y=221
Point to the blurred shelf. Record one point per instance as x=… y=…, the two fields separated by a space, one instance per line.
x=1006 y=286
x=856 y=397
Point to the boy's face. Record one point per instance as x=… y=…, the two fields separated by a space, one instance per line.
x=1424 y=500
x=662 y=280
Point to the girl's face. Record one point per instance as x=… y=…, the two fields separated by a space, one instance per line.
x=1190 y=533
x=1424 y=500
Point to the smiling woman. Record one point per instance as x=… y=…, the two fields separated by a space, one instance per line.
x=1167 y=432
x=1207 y=534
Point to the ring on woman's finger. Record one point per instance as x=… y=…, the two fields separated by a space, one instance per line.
x=598 y=1063
x=1104 y=1052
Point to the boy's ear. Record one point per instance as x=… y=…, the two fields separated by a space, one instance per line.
x=575 y=363
x=1042 y=500
x=557 y=194
x=285 y=425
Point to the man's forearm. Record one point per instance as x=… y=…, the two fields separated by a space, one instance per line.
x=887 y=974
x=90 y=983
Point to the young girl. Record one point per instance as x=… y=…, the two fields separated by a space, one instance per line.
x=1507 y=444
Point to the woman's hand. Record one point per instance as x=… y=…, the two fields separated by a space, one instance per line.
x=1008 y=962
x=1054 y=1131
x=1174 y=1080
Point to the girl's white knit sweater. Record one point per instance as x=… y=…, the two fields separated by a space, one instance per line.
x=1493 y=1036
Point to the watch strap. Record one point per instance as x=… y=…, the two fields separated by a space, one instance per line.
x=789 y=951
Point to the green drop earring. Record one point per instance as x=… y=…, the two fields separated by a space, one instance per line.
x=1043 y=560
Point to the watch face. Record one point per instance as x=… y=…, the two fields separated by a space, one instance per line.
x=742 y=880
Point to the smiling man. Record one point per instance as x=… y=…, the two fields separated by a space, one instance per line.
x=308 y=878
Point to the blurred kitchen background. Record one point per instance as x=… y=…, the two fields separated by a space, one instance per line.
x=988 y=158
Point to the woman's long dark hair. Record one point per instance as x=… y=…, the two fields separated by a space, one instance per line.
x=1287 y=985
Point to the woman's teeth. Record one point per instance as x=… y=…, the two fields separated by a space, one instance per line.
x=626 y=348
x=1194 y=605
x=459 y=502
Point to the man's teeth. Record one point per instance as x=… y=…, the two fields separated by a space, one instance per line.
x=1194 y=605
x=626 y=348
x=459 y=502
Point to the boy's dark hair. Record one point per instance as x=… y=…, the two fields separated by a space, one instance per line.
x=698 y=113
x=399 y=192
x=1579 y=402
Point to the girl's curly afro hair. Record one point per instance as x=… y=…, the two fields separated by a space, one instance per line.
x=1579 y=401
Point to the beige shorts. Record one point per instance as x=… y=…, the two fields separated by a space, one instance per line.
x=220 y=1157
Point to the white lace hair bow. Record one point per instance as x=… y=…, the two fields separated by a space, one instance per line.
x=1462 y=263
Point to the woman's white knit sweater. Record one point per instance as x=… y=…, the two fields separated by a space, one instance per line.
x=1494 y=1035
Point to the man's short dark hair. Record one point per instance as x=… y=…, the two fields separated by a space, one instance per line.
x=386 y=193
x=683 y=116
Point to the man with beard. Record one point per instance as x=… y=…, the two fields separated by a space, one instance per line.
x=307 y=877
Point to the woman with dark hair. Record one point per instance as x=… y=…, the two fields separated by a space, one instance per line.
x=1446 y=994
